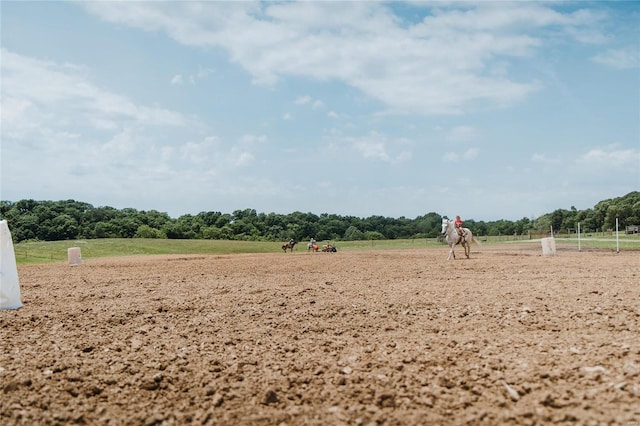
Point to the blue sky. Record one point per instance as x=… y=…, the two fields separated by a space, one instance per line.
x=490 y=110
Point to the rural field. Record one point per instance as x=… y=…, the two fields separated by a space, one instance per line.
x=357 y=337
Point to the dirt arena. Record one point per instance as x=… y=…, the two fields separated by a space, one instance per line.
x=393 y=337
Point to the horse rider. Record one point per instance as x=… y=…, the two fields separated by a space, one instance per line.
x=458 y=224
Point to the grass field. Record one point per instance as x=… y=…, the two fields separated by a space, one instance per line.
x=56 y=251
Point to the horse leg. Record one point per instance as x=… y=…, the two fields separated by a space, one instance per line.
x=453 y=246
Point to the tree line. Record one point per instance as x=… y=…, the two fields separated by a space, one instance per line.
x=69 y=219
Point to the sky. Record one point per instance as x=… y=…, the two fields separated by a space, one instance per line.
x=489 y=110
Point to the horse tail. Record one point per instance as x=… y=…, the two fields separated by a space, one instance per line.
x=475 y=240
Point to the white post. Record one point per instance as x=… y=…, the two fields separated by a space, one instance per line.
x=617 y=239
x=74 y=256
x=579 y=249
x=10 y=297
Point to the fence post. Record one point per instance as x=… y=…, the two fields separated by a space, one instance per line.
x=579 y=248
x=617 y=238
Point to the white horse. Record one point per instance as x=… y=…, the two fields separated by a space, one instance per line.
x=454 y=238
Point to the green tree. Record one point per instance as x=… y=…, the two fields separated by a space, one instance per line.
x=522 y=226
x=105 y=230
x=69 y=219
x=625 y=209
x=24 y=227
x=244 y=230
x=589 y=221
x=145 y=231
x=557 y=217
x=125 y=225
x=429 y=225
x=373 y=235
x=154 y=219
x=223 y=220
x=353 y=234
x=331 y=227
x=63 y=227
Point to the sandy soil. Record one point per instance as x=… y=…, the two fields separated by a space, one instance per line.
x=395 y=337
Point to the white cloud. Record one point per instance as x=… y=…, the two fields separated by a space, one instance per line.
x=204 y=72
x=626 y=58
x=370 y=149
x=287 y=116
x=199 y=152
x=64 y=125
x=302 y=100
x=471 y=154
x=488 y=16
x=374 y=146
x=461 y=134
x=543 y=159
x=55 y=92
x=250 y=139
x=467 y=155
x=611 y=157
x=178 y=79
x=367 y=47
x=241 y=158
x=308 y=100
x=450 y=157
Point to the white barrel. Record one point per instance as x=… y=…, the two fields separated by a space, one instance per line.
x=548 y=246
x=74 y=256
x=10 y=297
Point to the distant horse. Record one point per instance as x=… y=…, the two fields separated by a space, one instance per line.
x=289 y=245
x=453 y=238
x=311 y=245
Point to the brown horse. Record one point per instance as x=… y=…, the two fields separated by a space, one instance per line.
x=289 y=245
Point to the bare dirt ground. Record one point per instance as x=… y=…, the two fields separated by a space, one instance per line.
x=393 y=337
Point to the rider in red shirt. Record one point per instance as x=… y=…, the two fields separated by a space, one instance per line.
x=458 y=223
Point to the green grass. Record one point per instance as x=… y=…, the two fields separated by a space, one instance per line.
x=385 y=244
x=56 y=251
x=603 y=243
x=596 y=241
